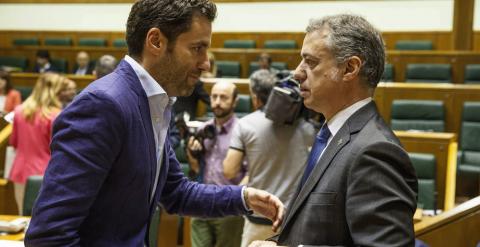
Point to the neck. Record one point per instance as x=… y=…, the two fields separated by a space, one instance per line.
x=223 y=120
x=348 y=101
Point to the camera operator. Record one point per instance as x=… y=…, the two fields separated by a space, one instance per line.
x=276 y=153
x=206 y=153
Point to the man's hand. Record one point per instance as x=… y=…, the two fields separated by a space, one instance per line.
x=194 y=145
x=262 y=244
x=265 y=204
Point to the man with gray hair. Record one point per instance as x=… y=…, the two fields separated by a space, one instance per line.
x=105 y=65
x=359 y=187
x=271 y=168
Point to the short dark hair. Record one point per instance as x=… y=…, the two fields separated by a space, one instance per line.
x=43 y=54
x=261 y=84
x=352 y=35
x=172 y=17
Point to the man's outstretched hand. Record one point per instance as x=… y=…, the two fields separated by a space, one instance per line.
x=265 y=204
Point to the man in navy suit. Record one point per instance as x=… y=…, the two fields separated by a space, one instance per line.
x=111 y=161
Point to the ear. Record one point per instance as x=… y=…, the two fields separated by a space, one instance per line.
x=255 y=101
x=352 y=68
x=235 y=102
x=155 y=42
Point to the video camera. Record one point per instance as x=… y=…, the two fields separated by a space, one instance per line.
x=284 y=103
x=188 y=129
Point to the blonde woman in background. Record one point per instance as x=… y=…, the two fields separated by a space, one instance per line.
x=32 y=131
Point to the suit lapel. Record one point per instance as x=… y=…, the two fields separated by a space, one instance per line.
x=354 y=124
x=134 y=83
x=338 y=142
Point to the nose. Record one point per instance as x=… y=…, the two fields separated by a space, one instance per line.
x=215 y=101
x=299 y=74
x=204 y=63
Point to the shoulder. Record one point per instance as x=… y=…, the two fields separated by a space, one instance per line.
x=253 y=118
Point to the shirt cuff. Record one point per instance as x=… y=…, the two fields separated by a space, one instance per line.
x=249 y=211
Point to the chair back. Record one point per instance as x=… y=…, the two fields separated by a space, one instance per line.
x=32 y=187
x=422 y=115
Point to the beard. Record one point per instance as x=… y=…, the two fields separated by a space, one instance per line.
x=173 y=76
x=221 y=113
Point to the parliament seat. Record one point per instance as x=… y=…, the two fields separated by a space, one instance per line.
x=469 y=154
x=472 y=74
x=425 y=167
x=24 y=91
x=60 y=64
x=32 y=188
x=420 y=115
x=119 y=43
x=280 y=44
x=17 y=63
x=58 y=41
x=230 y=69
x=234 y=43
x=244 y=105
x=26 y=41
x=424 y=72
x=414 y=45
x=388 y=73
x=99 y=42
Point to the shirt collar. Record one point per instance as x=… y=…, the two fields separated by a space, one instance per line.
x=227 y=126
x=337 y=121
x=149 y=84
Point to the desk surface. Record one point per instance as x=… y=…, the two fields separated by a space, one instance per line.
x=15 y=237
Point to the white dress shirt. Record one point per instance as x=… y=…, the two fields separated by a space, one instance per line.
x=160 y=111
x=339 y=119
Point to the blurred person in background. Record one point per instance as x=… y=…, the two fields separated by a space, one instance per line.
x=68 y=93
x=9 y=97
x=43 y=62
x=83 y=65
x=32 y=131
x=104 y=66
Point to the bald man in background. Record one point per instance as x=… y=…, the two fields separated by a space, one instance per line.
x=83 y=66
x=206 y=157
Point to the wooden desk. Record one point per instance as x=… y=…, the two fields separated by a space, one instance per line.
x=7 y=198
x=444 y=147
x=29 y=79
x=456 y=227
x=15 y=236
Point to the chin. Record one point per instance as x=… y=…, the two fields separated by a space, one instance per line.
x=186 y=92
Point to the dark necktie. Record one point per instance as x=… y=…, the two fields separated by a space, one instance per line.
x=318 y=146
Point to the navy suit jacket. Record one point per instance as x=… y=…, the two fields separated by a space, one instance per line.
x=97 y=186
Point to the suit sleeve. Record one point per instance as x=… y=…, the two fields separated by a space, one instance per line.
x=184 y=197
x=381 y=197
x=86 y=141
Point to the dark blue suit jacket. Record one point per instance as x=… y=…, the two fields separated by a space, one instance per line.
x=98 y=182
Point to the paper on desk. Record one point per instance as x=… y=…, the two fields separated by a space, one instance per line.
x=13 y=226
x=9 y=243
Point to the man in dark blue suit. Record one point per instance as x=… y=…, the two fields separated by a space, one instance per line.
x=111 y=161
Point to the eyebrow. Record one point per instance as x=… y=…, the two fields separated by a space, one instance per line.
x=308 y=55
x=202 y=43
